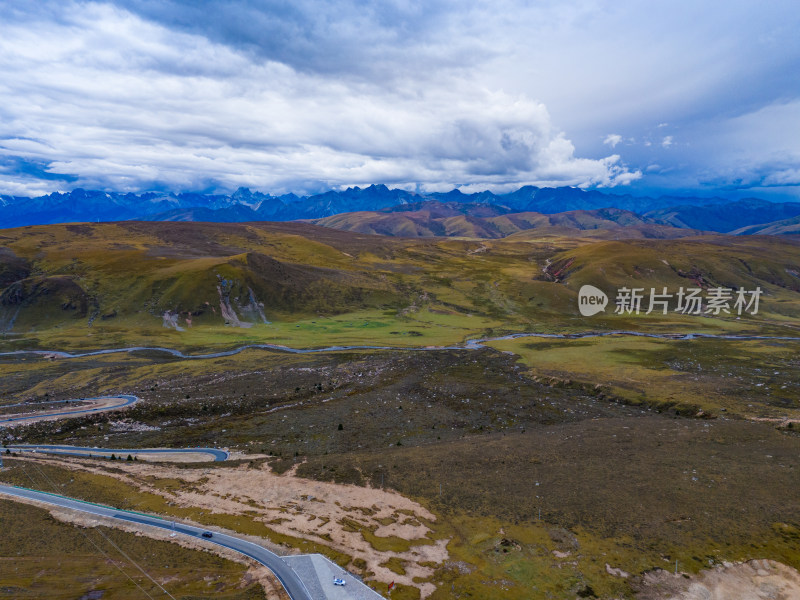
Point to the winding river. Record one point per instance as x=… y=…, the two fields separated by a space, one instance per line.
x=473 y=344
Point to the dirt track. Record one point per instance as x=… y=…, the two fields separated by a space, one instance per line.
x=85 y=406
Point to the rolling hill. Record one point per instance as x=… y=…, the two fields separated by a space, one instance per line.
x=782 y=227
x=123 y=281
x=479 y=221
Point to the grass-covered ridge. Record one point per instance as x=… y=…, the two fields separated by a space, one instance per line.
x=101 y=285
x=44 y=565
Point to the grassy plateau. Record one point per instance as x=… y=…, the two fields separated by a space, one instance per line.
x=548 y=463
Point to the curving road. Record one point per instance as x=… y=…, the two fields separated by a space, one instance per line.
x=216 y=454
x=291 y=582
x=127 y=400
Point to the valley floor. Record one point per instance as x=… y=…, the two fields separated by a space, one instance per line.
x=454 y=472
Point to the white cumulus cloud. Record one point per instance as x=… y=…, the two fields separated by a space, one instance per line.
x=117 y=102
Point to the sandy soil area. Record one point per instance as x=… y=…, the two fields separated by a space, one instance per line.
x=330 y=514
x=181 y=457
x=752 y=580
x=172 y=457
x=781 y=421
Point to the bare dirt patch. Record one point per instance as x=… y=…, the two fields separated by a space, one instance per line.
x=173 y=457
x=752 y=580
x=377 y=526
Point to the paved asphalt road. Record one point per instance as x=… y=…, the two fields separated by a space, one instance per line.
x=287 y=576
x=73 y=413
x=218 y=455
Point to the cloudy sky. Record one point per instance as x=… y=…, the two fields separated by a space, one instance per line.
x=306 y=95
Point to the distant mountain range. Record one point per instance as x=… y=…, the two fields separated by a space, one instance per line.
x=450 y=219
x=378 y=209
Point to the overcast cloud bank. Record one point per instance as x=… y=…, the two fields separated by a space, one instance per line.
x=309 y=96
